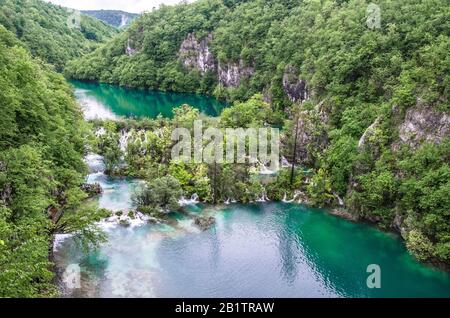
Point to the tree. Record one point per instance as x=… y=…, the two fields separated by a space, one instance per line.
x=159 y=196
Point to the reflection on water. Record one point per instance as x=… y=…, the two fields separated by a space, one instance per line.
x=104 y=101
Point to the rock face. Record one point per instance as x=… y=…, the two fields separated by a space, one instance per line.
x=92 y=189
x=129 y=50
x=367 y=134
x=231 y=74
x=294 y=87
x=424 y=124
x=204 y=223
x=312 y=135
x=196 y=53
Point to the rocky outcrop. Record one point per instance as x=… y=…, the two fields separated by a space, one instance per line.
x=232 y=74
x=294 y=87
x=129 y=49
x=423 y=123
x=196 y=53
x=204 y=223
x=312 y=136
x=369 y=132
x=92 y=189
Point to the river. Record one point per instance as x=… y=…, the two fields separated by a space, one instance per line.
x=271 y=249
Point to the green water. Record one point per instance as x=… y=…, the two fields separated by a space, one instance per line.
x=255 y=250
x=106 y=101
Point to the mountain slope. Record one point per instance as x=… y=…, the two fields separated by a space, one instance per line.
x=41 y=169
x=116 y=18
x=53 y=33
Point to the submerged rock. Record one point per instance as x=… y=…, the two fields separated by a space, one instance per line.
x=204 y=223
x=344 y=214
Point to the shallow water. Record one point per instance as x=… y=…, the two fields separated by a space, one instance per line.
x=104 y=101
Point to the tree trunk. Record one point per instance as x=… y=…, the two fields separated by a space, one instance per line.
x=295 y=150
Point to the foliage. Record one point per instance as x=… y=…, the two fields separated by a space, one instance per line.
x=44 y=29
x=159 y=196
x=41 y=169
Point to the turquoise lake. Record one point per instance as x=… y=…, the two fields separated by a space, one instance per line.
x=104 y=101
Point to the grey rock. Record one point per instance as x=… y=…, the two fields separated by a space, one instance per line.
x=423 y=123
x=232 y=74
x=204 y=223
x=195 y=53
x=294 y=87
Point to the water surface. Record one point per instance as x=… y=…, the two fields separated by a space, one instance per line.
x=104 y=101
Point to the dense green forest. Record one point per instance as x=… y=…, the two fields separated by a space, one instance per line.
x=47 y=31
x=42 y=143
x=360 y=94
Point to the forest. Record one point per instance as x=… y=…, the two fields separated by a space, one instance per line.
x=364 y=115
x=48 y=31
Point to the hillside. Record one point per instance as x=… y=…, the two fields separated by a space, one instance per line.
x=41 y=169
x=116 y=18
x=367 y=103
x=48 y=31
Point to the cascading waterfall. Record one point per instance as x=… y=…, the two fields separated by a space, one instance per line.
x=285 y=163
x=193 y=200
x=123 y=141
x=297 y=194
x=264 y=170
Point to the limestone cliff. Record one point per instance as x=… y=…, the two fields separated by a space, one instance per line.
x=423 y=123
x=294 y=87
x=231 y=74
x=195 y=53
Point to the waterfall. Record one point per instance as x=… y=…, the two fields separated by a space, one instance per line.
x=123 y=141
x=285 y=163
x=286 y=200
x=340 y=200
x=193 y=200
x=100 y=132
x=95 y=163
x=123 y=21
x=264 y=197
x=297 y=194
x=264 y=170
